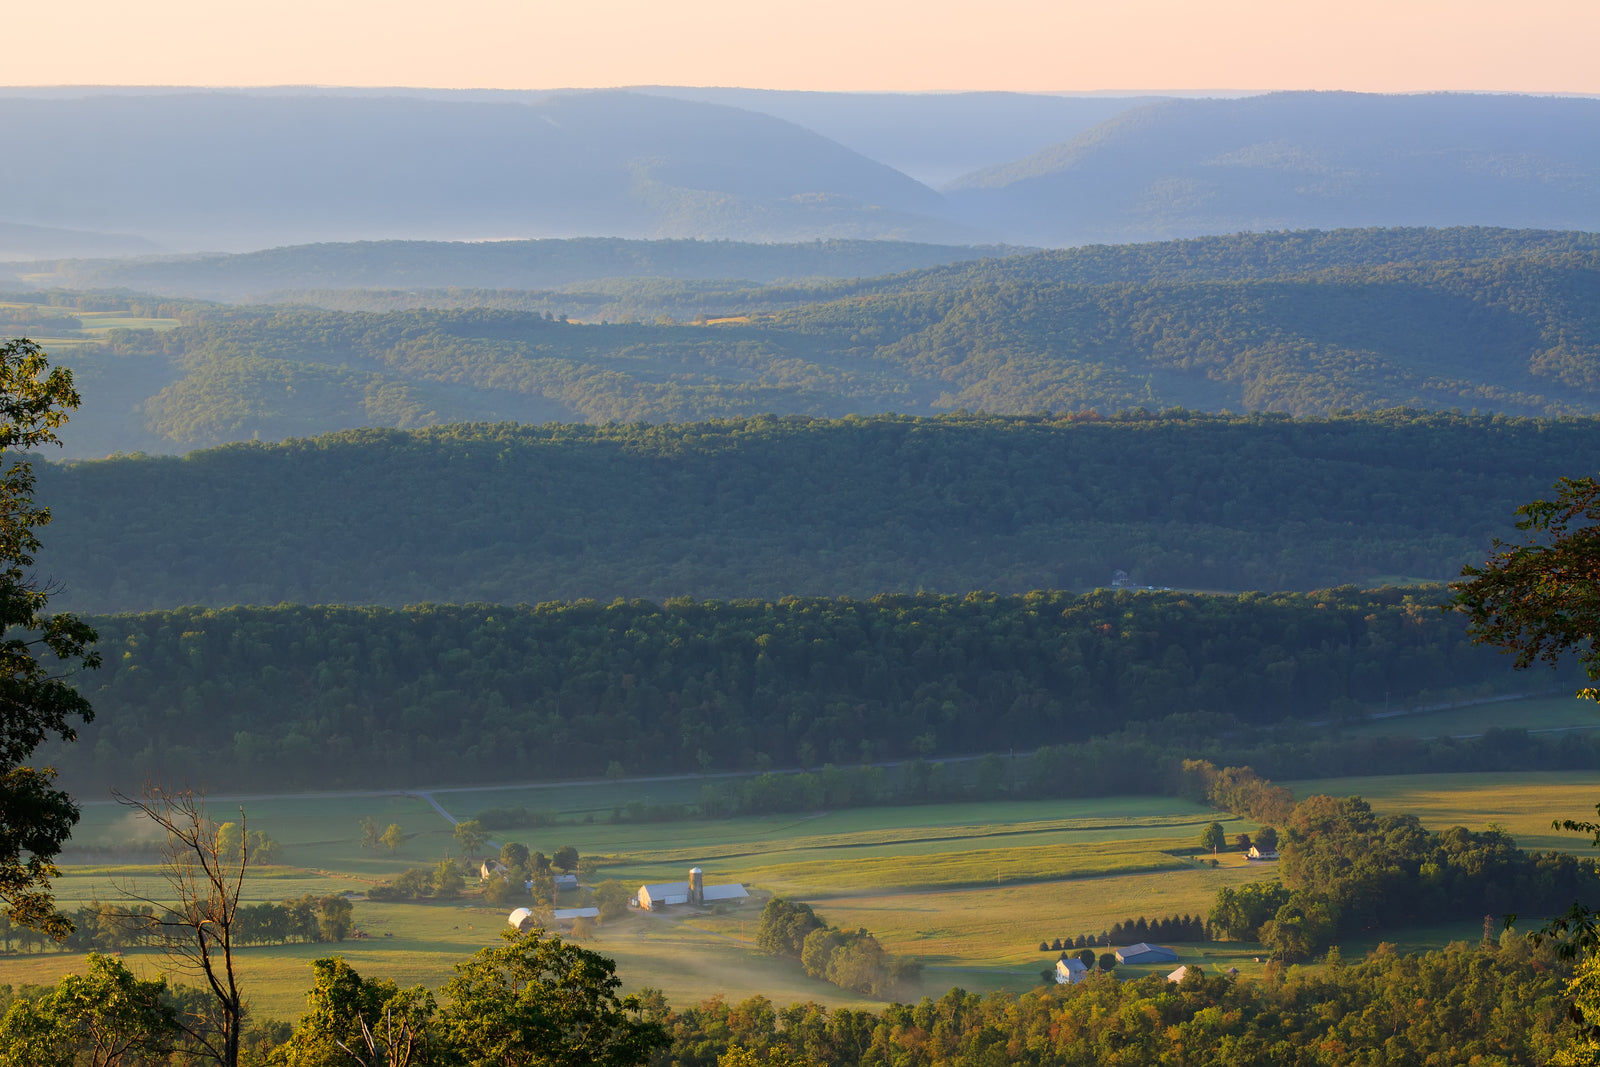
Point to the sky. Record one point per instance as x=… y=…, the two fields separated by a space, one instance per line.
x=886 y=45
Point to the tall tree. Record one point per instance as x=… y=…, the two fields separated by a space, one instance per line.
x=39 y=651
x=538 y=1001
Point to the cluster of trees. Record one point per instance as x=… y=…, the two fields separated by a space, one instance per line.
x=443 y=881
x=532 y=1001
x=1461 y=1005
x=768 y=506
x=340 y=697
x=852 y=960
x=537 y=1000
x=114 y=927
x=1346 y=869
x=1239 y=790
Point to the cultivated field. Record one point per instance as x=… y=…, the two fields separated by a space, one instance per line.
x=970 y=889
x=1522 y=803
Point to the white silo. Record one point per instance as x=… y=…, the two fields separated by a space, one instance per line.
x=697 y=886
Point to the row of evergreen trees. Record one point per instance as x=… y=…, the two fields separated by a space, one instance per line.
x=1129 y=931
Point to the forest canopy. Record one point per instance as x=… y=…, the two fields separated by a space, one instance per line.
x=771 y=506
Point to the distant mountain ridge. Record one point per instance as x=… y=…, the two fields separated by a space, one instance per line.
x=1181 y=168
x=550 y=263
x=235 y=170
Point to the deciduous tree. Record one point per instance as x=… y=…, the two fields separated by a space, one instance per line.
x=39 y=651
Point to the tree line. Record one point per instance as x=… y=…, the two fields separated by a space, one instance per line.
x=774 y=506
x=340 y=697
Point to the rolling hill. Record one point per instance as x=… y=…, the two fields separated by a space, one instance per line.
x=1181 y=168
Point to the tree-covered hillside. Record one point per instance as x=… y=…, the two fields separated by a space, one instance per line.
x=296 y=696
x=1236 y=325
x=1300 y=159
x=772 y=506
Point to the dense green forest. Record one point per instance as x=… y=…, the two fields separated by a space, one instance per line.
x=774 y=506
x=339 y=697
x=1298 y=323
x=1496 y=1005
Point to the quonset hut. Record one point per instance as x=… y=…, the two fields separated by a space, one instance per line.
x=694 y=891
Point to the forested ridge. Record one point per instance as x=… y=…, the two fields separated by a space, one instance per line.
x=1307 y=324
x=337 y=697
x=773 y=506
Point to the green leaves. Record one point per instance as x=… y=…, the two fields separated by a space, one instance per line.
x=538 y=1001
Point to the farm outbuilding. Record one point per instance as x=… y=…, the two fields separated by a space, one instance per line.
x=1183 y=972
x=521 y=920
x=1146 y=953
x=567 y=915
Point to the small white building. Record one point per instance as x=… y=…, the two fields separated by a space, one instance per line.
x=1182 y=972
x=492 y=869
x=1257 y=855
x=521 y=920
x=1071 y=971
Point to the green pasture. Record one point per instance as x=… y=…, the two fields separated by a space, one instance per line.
x=1539 y=713
x=1521 y=802
x=95 y=324
x=969 y=889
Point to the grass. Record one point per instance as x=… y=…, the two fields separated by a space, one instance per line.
x=970 y=889
x=1539 y=713
x=1522 y=803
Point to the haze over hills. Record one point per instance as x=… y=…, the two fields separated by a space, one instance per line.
x=232 y=171
x=933 y=137
x=549 y=264
x=1307 y=324
x=1181 y=168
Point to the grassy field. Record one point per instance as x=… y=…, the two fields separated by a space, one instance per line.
x=1540 y=713
x=95 y=324
x=969 y=889
x=1522 y=803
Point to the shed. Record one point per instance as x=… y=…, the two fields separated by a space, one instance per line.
x=566 y=881
x=492 y=869
x=1183 y=972
x=1070 y=971
x=521 y=919
x=566 y=915
x=1146 y=953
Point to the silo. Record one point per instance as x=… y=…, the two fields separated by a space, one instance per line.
x=697 y=886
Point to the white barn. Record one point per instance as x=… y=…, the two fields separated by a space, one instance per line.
x=694 y=891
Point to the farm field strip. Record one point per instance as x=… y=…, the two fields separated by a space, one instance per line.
x=1523 y=803
x=1534 y=714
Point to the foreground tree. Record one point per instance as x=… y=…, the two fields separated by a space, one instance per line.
x=99 y=1019
x=538 y=1001
x=39 y=651
x=355 y=1020
x=1541 y=598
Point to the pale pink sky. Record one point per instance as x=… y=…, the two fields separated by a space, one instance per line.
x=1029 y=45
